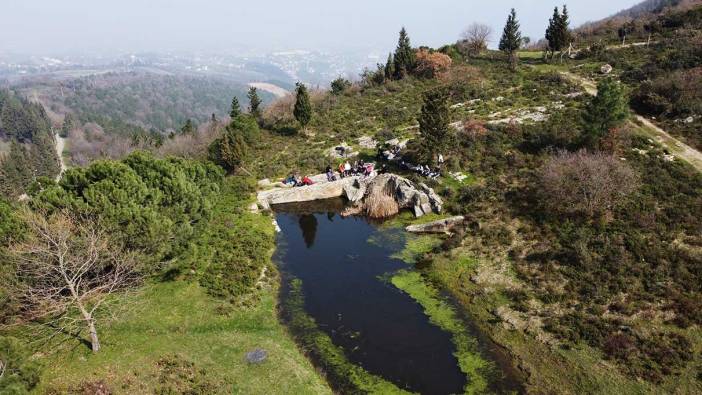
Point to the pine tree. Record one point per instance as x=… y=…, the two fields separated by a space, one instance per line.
x=229 y=151
x=254 y=102
x=236 y=109
x=188 y=128
x=511 y=39
x=213 y=119
x=390 y=67
x=68 y=125
x=303 y=107
x=606 y=111
x=552 y=34
x=434 y=125
x=405 y=59
x=564 y=36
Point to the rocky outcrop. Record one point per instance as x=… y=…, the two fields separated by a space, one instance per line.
x=421 y=200
x=322 y=189
x=440 y=226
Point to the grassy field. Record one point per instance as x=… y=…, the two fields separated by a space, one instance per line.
x=175 y=337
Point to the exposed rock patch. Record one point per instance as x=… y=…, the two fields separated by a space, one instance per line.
x=440 y=226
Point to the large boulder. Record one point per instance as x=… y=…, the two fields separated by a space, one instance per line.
x=322 y=189
x=421 y=200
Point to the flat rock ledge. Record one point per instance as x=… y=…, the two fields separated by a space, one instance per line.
x=420 y=199
x=440 y=226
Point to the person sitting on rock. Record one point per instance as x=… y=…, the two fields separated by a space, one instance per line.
x=347 y=169
x=330 y=174
x=290 y=180
x=341 y=170
x=306 y=180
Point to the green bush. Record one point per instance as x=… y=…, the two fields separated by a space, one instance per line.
x=150 y=204
x=21 y=374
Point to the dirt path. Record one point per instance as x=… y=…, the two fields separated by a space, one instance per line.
x=675 y=146
x=274 y=89
x=60 y=146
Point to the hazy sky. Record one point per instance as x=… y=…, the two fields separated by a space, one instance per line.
x=117 y=26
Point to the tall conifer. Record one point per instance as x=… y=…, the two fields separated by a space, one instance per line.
x=511 y=39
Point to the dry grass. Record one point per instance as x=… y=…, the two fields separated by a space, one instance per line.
x=380 y=202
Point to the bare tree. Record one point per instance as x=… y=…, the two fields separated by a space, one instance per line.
x=474 y=39
x=66 y=268
x=586 y=183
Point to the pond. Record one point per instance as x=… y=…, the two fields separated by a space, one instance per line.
x=342 y=267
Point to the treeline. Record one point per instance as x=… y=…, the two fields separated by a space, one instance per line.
x=32 y=153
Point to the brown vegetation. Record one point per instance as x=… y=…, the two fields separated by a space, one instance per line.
x=432 y=64
x=586 y=183
x=380 y=202
x=67 y=268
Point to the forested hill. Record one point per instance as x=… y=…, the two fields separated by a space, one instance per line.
x=124 y=103
x=27 y=148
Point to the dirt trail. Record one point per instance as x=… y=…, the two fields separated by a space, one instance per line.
x=60 y=146
x=274 y=89
x=675 y=146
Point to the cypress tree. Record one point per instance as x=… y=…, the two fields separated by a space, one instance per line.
x=390 y=67
x=254 y=102
x=236 y=109
x=405 y=59
x=511 y=39
x=434 y=125
x=303 y=107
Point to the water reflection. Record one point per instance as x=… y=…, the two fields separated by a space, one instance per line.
x=308 y=225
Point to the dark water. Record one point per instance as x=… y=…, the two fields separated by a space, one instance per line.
x=378 y=326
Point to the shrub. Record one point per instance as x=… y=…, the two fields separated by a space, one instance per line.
x=432 y=64
x=340 y=85
x=21 y=374
x=585 y=183
x=150 y=204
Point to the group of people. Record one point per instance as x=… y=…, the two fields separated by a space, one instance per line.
x=295 y=180
x=423 y=170
x=346 y=169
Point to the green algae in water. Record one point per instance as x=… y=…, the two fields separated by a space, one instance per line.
x=346 y=376
x=443 y=315
x=415 y=247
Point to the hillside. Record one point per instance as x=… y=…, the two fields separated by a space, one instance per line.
x=124 y=103
x=26 y=144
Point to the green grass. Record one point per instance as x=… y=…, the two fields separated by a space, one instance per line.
x=443 y=315
x=180 y=318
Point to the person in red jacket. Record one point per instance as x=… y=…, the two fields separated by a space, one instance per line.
x=307 y=181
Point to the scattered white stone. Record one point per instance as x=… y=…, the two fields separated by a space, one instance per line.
x=458 y=176
x=276 y=226
x=499 y=98
x=668 y=158
x=471 y=102
x=367 y=142
x=606 y=69
x=458 y=105
x=689 y=120
x=640 y=151
x=573 y=95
